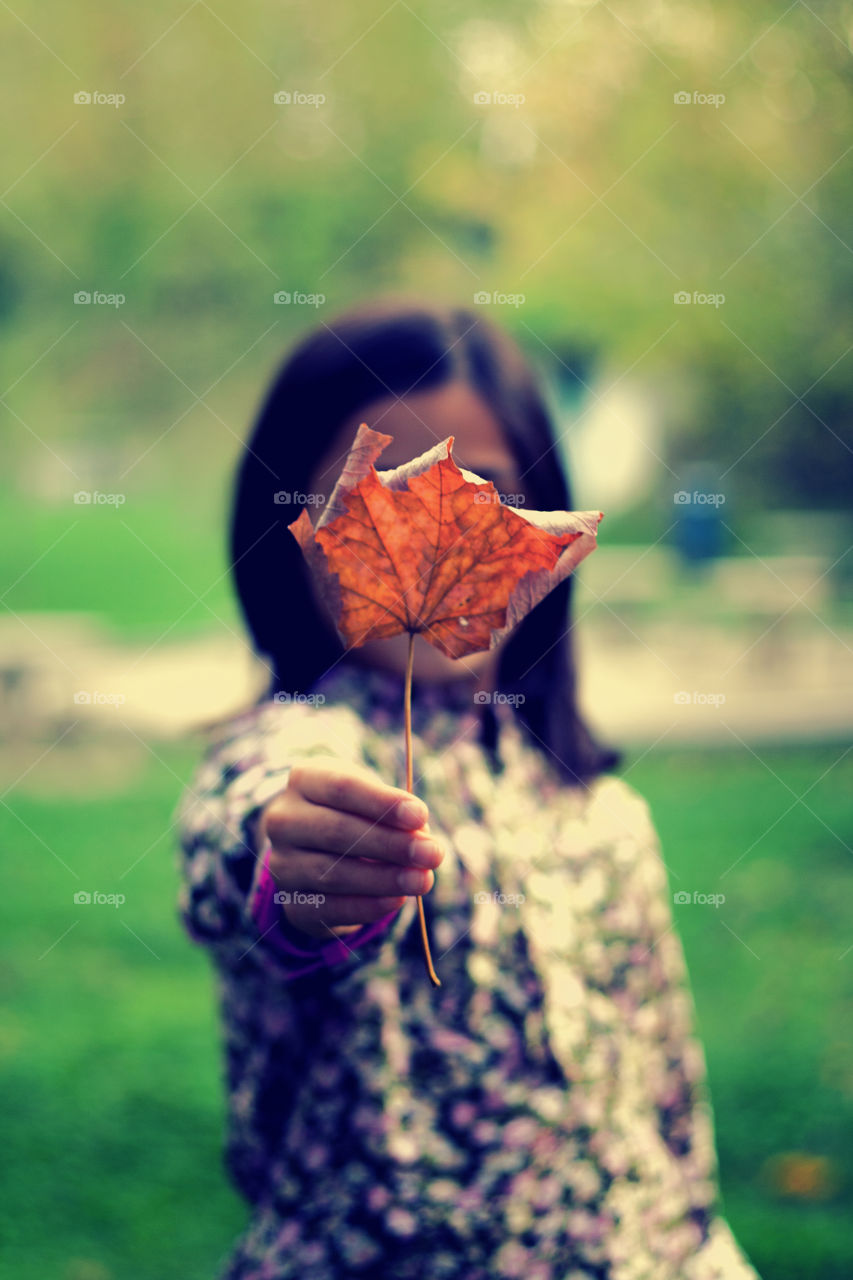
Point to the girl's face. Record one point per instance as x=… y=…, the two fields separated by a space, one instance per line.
x=416 y=423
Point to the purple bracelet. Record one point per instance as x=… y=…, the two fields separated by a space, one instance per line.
x=266 y=913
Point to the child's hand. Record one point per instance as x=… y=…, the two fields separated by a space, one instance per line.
x=341 y=832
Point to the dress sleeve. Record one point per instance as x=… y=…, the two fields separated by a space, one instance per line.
x=227 y=898
x=675 y=1061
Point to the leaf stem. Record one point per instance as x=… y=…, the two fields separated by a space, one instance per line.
x=407 y=709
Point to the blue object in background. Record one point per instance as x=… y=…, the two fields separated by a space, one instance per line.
x=698 y=506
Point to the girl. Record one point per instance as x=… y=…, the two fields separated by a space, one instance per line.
x=543 y=1113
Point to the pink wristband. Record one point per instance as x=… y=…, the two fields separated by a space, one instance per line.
x=266 y=913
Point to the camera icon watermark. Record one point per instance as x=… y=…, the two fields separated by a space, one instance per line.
x=483 y=496
x=485 y=298
x=499 y=99
x=286 y=898
x=92 y=698
x=683 y=498
x=284 y=497
x=94 y=497
x=98 y=99
x=685 y=99
x=284 y=298
x=307 y=699
x=83 y=898
x=296 y=98
x=487 y=697
x=684 y=299
x=95 y=298
x=684 y=699
x=501 y=899
x=682 y=899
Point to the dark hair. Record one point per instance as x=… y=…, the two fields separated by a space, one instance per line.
x=395 y=347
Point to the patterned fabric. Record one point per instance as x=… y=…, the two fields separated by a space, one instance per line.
x=543 y=1113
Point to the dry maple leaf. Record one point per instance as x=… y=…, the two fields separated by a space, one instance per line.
x=430 y=549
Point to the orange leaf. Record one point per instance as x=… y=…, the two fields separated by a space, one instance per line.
x=428 y=548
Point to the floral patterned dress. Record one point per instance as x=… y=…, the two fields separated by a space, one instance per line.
x=543 y=1113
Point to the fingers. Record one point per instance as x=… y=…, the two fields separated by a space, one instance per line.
x=358 y=793
x=338 y=911
x=304 y=824
x=305 y=870
x=357 y=847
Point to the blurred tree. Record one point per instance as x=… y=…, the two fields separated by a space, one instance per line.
x=542 y=150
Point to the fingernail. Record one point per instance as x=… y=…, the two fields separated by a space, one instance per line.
x=414 y=882
x=411 y=813
x=424 y=853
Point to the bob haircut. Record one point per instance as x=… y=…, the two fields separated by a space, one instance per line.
x=395 y=347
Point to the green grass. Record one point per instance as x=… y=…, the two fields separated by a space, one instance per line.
x=772 y=973
x=155 y=563
x=110 y=1065
x=109 y=1057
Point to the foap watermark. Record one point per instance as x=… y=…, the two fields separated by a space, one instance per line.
x=94 y=498
x=99 y=99
x=484 y=697
x=85 y=898
x=505 y=499
x=684 y=698
x=309 y=699
x=697 y=99
x=497 y=98
x=285 y=898
x=298 y=98
x=682 y=898
x=683 y=299
x=85 y=298
x=284 y=498
x=502 y=899
x=92 y=698
x=484 y=298
x=684 y=498
x=285 y=299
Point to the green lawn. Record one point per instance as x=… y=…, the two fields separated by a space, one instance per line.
x=155 y=563
x=108 y=1050
x=772 y=973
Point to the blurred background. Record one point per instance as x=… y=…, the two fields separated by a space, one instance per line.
x=650 y=195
